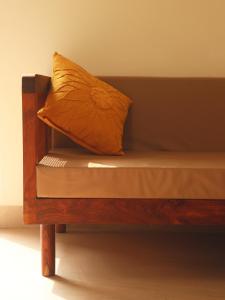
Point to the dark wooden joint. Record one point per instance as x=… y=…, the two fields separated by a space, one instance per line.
x=60 y=228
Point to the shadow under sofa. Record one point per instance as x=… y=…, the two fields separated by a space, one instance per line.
x=173 y=170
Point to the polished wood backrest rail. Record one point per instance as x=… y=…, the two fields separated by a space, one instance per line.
x=35 y=133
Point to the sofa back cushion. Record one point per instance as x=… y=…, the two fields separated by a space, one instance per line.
x=174 y=114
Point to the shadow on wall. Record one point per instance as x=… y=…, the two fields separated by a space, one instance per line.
x=11 y=216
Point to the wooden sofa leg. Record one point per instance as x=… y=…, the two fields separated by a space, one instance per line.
x=47 y=232
x=60 y=228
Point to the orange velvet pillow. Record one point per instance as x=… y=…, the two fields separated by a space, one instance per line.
x=86 y=109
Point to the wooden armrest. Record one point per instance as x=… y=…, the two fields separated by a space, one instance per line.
x=34 y=92
x=35 y=83
x=36 y=137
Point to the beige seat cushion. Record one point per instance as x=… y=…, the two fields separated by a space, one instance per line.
x=70 y=173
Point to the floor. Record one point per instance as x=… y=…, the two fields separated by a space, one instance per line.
x=115 y=266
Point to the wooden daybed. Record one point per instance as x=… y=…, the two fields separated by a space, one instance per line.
x=179 y=122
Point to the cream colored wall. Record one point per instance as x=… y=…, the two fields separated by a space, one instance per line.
x=108 y=37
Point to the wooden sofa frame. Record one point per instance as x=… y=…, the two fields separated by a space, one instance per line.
x=51 y=213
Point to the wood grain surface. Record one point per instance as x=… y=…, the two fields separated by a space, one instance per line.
x=47 y=235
